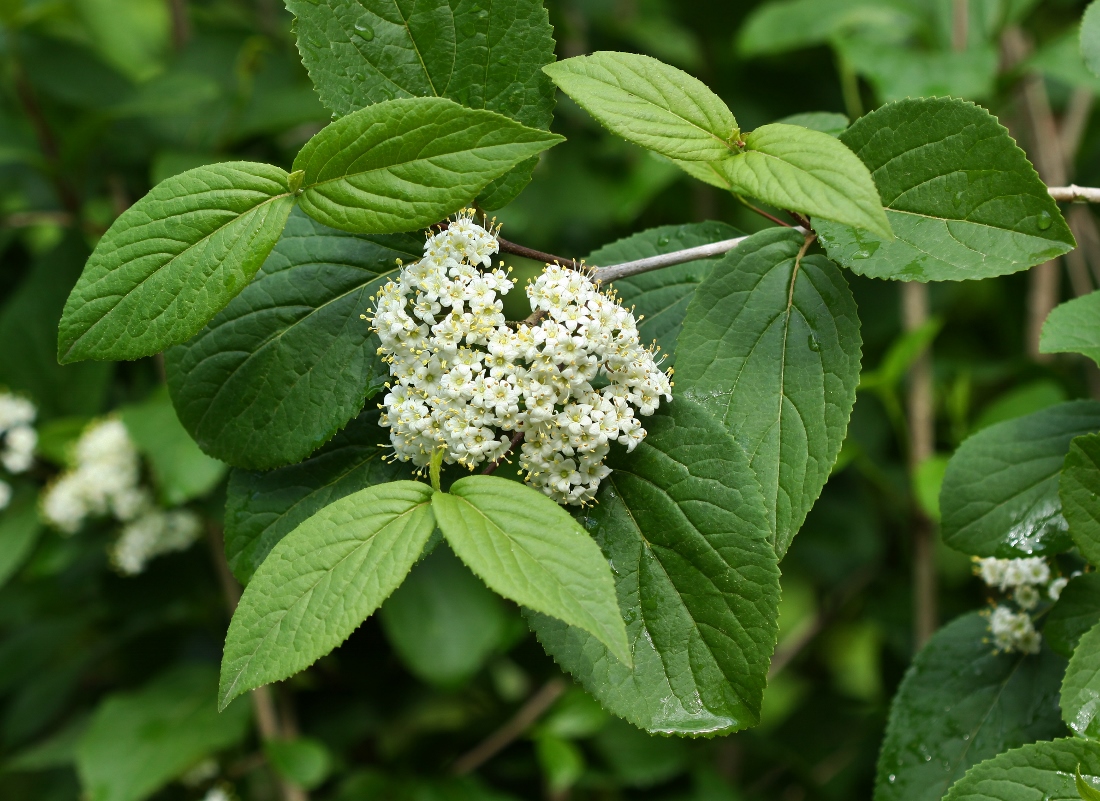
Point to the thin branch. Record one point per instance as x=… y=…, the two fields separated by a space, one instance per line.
x=181 y=25
x=516 y=438
x=761 y=212
x=629 y=268
x=1074 y=193
x=47 y=142
x=530 y=253
x=525 y=717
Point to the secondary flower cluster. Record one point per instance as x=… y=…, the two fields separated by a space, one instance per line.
x=1021 y=579
x=469 y=383
x=106 y=479
x=17 y=439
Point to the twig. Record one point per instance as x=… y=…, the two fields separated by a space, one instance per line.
x=629 y=268
x=28 y=219
x=47 y=142
x=181 y=26
x=530 y=253
x=761 y=212
x=1076 y=119
x=1072 y=193
x=525 y=717
x=516 y=437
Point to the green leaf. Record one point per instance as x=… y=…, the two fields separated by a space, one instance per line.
x=1000 y=493
x=901 y=72
x=681 y=521
x=360 y=52
x=963 y=200
x=1090 y=38
x=1084 y=789
x=443 y=622
x=780 y=27
x=900 y=356
x=173 y=260
x=660 y=297
x=181 y=471
x=139 y=741
x=1039 y=770
x=1081 y=687
x=406 y=164
x=960 y=703
x=638 y=759
x=1077 y=611
x=528 y=549
x=262 y=508
x=773 y=353
x=19 y=531
x=650 y=104
x=30 y=318
x=1080 y=483
x=322 y=580
x=1021 y=400
x=304 y=760
x=133 y=36
x=825 y=121
x=288 y=361
x=1060 y=58
x=1072 y=327
x=811 y=172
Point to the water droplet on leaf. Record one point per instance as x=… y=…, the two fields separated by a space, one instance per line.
x=1045 y=220
x=363 y=28
x=813 y=344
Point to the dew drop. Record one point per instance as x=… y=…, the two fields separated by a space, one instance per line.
x=662 y=241
x=363 y=28
x=813 y=344
x=891 y=778
x=1045 y=220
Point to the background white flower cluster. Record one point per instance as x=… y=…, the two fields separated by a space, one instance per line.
x=1021 y=579
x=105 y=479
x=467 y=381
x=17 y=439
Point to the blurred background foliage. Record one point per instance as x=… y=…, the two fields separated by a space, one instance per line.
x=106 y=681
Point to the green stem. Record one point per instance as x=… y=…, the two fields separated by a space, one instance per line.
x=849 y=86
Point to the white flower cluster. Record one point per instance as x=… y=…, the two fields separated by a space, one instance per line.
x=1021 y=578
x=468 y=382
x=17 y=439
x=106 y=479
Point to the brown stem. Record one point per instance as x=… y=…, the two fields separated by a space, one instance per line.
x=530 y=253
x=920 y=412
x=47 y=142
x=762 y=213
x=960 y=24
x=181 y=25
x=525 y=717
x=516 y=439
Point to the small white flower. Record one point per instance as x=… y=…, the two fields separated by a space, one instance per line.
x=1027 y=597
x=1013 y=631
x=1056 y=587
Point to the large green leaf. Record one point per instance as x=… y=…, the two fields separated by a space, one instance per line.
x=262 y=508
x=1090 y=38
x=29 y=317
x=182 y=472
x=139 y=741
x=772 y=351
x=289 y=361
x=1081 y=687
x=443 y=622
x=808 y=171
x=1073 y=327
x=682 y=523
x=360 y=52
x=19 y=531
x=1077 y=611
x=650 y=103
x=406 y=164
x=660 y=297
x=961 y=703
x=1044 y=770
x=785 y=25
x=173 y=260
x=962 y=198
x=1000 y=492
x=1078 y=490
x=528 y=549
x=900 y=72
x=322 y=580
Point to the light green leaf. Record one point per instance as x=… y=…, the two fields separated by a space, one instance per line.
x=304 y=760
x=528 y=549
x=963 y=200
x=173 y=260
x=681 y=521
x=661 y=297
x=1060 y=58
x=1079 y=491
x=1021 y=400
x=960 y=703
x=262 y=508
x=443 y=622
x=133 y=36
x=825 y=121
x=1040 y=770
x=1077 y=611
x=181 y=471
x=650 y=104
x=1081 y=687
x=901 y=72
x=779 y=27
x=406 y=164
x=795 y=168
x=19 y=530
x=360 y=52
x=900 y=356
x=139 y=741
x=288 y=361
x=1073 y=327
x=1090 y=38
x=772 y=351
x=322 y=580
x=1000 y=492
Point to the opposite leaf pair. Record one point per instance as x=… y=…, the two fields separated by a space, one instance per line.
x=333 y=571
